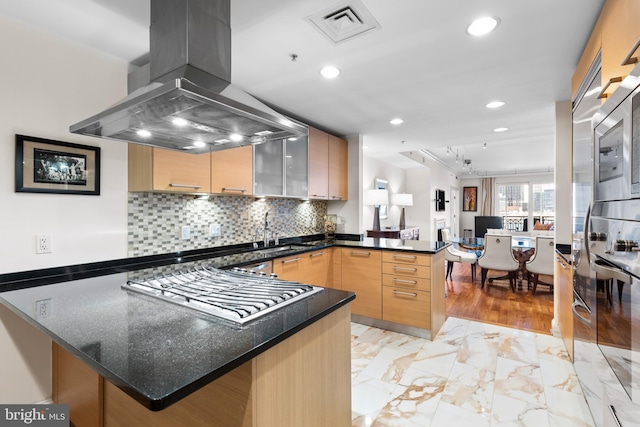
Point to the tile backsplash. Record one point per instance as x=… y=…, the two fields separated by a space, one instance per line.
x=155 y=220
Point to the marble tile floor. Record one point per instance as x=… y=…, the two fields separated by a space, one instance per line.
x=472 y=374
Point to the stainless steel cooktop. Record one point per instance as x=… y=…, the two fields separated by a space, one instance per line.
x=237 y=295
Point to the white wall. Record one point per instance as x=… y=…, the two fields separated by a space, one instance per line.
x=48 y=83
x=563 y=173
x=372 y=169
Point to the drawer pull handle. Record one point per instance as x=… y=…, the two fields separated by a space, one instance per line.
x=412 y=270
x=630 y=59
x=360 y=253
x=241 y=190
x=317 y=254
x=287 y=261
x=412 y=282
x=185 y=185
x=563 y=265
x=406 y=294
x=336 y=197
x=612 y=80
x=413 y=257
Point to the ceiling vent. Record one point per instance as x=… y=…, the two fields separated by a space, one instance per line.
x=343 y=21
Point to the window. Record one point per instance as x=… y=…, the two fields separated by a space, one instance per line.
x=522 y=204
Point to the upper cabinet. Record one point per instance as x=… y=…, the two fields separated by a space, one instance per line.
x=615 y=35
x=158 y=169
x=328 y=166
x=280 y=168
x=232 y=171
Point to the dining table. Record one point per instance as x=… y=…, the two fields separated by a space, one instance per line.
x=523 y=249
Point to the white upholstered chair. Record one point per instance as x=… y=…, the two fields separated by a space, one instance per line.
x=541 y=262
x=498 y=255
x=453 y=255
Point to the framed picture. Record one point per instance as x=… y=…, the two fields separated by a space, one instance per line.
x=382 y=184
x=47 y=166
x=470 y=199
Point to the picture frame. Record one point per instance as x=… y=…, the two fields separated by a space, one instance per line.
x=382 y=184
x=469 y=199
x=48 y=166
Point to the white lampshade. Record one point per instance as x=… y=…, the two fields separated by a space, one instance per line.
x=376 y=197
x=402 y=199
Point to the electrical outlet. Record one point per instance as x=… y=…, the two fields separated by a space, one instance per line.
x=43 y=244
x=43 y=308
x=215 y=230
x=186 y=232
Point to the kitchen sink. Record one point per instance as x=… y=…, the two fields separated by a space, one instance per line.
x=278 y=249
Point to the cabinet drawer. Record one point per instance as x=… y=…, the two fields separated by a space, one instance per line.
x=290 y=268
x=362 y=274
x=416 y=283
x=406 y=270
x=406 y=307
x=406 y=258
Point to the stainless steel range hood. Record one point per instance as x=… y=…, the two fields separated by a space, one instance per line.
x=188 y=102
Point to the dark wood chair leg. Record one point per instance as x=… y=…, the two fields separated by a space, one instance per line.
x=620 y=286
x=483 y=276
x=473 y=272
x=535 y=283
x=449 y=270
x=513 y=279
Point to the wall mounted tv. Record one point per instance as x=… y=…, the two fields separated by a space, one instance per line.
x=484 y=222
x=440 y=201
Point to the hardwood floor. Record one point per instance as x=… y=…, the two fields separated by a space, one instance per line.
x=497 y=304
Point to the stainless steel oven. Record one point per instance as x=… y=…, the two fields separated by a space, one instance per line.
x=616 y=265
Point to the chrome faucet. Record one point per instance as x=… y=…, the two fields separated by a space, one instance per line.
x=266 y=229
x=256 y=236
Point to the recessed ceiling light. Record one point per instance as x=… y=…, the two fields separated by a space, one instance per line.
x=179 y=121
x=199 y=144
x=396 y=121
x=144 y=133
x=330 y=72
x=495 y=104
x=482 y=26
x=500 y=129
x=235 y=137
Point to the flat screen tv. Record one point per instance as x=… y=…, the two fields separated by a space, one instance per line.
x=484 y=222
x=440 y=201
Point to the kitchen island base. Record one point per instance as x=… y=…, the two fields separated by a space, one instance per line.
x=304 y=380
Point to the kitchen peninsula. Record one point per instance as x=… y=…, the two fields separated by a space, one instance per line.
x=126 y=358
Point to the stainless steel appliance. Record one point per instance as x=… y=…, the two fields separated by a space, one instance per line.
x=606 y=243
x=239 y=295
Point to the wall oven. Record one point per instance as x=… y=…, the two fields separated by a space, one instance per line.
x=608 y=263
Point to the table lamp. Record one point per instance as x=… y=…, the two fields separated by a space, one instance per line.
x=376 y=198
x=402 y=200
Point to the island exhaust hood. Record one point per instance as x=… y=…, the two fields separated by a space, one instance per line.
x=187 y=102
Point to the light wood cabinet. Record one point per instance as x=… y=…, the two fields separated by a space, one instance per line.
x=406 y=296
x=615 y=35
x=232 y=171
x=318 y=164
x=303 y=381
x=563 y=282
x=157 y=169
x=362 y=274
x=312 y=268
x=338 y=169
x=328 y=166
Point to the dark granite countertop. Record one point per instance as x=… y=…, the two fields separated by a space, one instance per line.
x=157 y=352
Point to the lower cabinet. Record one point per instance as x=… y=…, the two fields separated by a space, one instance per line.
x=406 y=294
x=362 y=274
x=303 y=381
x=312 y=268
x=563 y=278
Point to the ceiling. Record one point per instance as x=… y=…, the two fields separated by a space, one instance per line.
x=419 y=65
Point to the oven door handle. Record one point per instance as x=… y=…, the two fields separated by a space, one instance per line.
x=574 y=307
x=585 y=231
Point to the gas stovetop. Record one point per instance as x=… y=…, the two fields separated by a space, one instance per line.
x=237 y=295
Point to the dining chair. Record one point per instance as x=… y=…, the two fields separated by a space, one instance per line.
x=498 y=255
x=453 y=255
x=541 y=262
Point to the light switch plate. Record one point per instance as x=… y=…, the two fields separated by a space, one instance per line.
x=186 y=232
